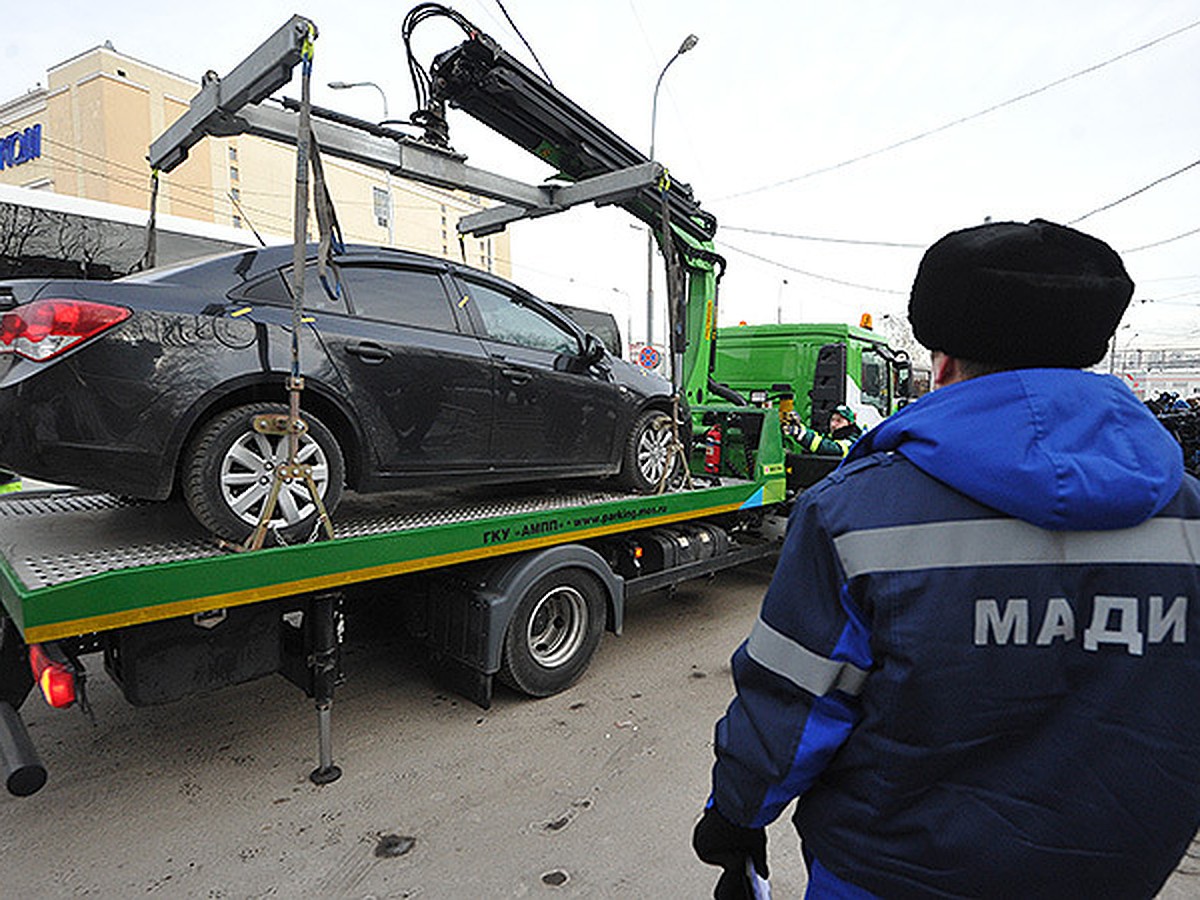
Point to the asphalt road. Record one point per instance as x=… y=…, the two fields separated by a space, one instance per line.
x=592 y=793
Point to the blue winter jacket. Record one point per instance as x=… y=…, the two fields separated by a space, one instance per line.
x=978 y=662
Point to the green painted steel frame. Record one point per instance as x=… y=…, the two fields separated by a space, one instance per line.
x=167 y=589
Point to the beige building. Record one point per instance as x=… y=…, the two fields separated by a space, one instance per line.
x=86 y=134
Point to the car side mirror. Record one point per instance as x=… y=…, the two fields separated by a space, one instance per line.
x=903 y=380
x=593 y=349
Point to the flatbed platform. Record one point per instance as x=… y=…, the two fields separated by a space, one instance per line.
x=73 y=563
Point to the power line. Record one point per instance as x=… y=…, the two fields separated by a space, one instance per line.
x=137 y=186
x=964 y=119
x=1173 y=299
x=818 y=277
x=1133 y=194
x=820 y=239
x=907 y=245
x=525 y=42
x=206 y=194
x=209 y=194
x=1163 y=241
x=213 y=194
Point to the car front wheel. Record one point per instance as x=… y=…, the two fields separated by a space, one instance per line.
x=229 y=469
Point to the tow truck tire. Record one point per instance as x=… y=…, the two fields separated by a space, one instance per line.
x=553 y=632
x=646 y=451
x=228 y=468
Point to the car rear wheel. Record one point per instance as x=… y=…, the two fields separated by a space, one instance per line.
x=229 y=468
x=647 y=454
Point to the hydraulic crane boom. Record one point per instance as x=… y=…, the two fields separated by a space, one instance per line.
x=486 y=82
x=490 y=85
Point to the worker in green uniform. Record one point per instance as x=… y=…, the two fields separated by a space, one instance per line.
x=843 y=432
x=9 y=482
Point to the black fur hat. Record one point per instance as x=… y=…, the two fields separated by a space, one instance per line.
x=1035 y=295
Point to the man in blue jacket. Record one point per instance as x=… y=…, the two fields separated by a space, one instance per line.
x=978 y=662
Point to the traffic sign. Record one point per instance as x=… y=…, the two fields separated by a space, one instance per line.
x=649 y=357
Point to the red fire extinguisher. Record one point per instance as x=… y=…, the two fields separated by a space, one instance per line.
x=712 y=450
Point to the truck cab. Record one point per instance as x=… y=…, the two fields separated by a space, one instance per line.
x=814 y=367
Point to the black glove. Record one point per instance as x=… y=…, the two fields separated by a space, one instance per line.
x=719 y=842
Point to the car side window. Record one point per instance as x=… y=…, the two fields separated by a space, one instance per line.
x=276 y=290
x=268 y=290
x=511 y=322
x=415 y=297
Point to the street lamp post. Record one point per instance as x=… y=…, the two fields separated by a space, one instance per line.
x=1112 y=354
x=688 y=43
x=628 y=318
x=387 y=176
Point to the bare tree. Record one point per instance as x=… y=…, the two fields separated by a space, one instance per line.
x=21 y=228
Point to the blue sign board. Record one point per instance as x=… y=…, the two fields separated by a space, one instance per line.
x=20 y=147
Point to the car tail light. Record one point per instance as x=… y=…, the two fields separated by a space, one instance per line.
x=55 y=677
x=45 y=328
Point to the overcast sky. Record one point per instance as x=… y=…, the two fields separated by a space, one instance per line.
x=765 y=117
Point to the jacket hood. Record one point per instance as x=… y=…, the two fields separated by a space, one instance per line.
x=1058 y=448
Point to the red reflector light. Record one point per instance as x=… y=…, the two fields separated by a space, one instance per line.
x=45 y=328
x=56 y=679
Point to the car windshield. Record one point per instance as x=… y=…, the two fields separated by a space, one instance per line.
x=602 y=324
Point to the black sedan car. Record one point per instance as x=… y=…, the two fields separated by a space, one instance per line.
x=416 y=371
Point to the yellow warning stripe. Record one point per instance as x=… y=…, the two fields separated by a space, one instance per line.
x=36 y=634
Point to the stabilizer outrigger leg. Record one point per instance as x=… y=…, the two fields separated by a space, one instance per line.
x=323 y=663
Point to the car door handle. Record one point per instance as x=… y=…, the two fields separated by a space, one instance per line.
x=516 y=376
x=369 y=352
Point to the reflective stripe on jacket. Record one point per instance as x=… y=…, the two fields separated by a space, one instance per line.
x=968 y=705
x=965 y=703
x=814 y=442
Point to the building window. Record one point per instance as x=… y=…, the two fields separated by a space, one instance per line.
x=233 y=173
x=380 y=199
x=237 y=221
x=235 y=193
x=233 y=154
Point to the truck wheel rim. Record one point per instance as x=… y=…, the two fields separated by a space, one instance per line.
x=652 y=450
x=248 y=469
x=557 y=627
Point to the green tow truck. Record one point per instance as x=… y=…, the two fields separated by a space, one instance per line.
x=508 y=584
x=810 y=369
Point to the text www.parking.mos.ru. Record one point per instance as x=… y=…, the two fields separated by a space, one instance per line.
x=620 y=515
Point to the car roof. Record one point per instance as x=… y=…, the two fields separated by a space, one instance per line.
x=246 y=265
x=232 y=269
